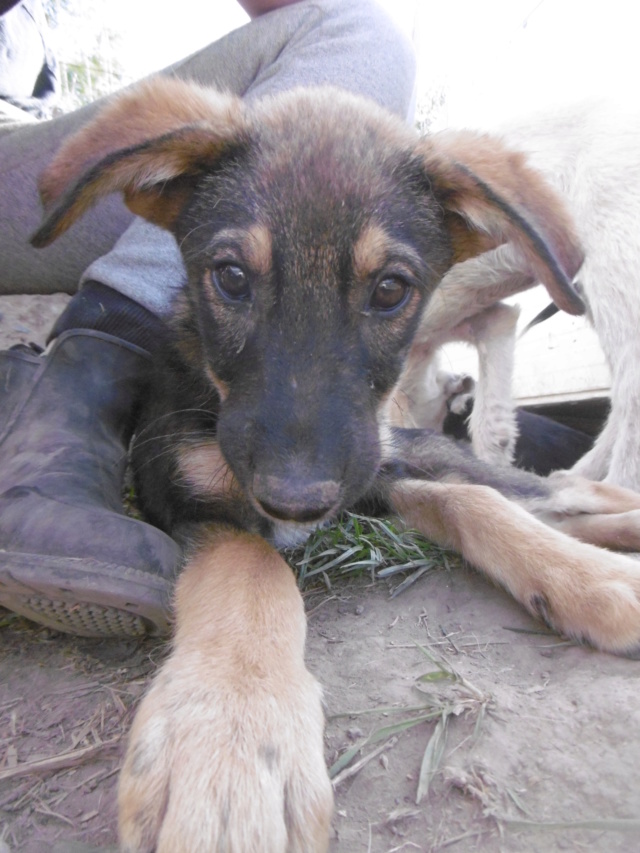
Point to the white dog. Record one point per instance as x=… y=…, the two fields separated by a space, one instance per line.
x=591 y=154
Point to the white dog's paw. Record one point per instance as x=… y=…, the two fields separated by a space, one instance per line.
x=494 y=433
x=225 y=767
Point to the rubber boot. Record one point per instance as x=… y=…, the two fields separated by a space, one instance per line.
x=70 y=558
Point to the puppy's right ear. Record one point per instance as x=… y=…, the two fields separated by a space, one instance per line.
x=490 y=196
x=151 y=143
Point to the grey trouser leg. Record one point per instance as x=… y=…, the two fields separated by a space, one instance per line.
x=350 y=43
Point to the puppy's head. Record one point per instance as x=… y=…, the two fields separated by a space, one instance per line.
x=314 y=228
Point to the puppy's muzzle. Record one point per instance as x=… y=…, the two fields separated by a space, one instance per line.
x=288 y=499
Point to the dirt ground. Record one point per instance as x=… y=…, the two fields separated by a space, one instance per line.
x=538 y=740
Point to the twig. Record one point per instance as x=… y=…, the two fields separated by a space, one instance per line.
x=357 y=767
x=43 y=808
x=598 y=824
x=58 y=762
x=474 y=833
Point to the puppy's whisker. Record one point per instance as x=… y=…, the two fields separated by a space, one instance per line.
x=194 y=436
x=174 y=412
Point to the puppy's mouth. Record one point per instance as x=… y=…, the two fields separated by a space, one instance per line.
x=289 y=535
x=295 y=508
x=295 y=501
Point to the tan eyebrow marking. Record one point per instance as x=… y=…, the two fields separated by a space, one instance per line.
x=254 y=243
x=374 y=247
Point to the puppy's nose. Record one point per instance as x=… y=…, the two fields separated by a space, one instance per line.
x=287 y=499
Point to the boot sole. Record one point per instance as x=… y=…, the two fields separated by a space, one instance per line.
x=85 y=597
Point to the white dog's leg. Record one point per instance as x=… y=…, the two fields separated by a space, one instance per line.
x=594 y=465
x=609 y=282
x=463 y=308
x=492 y=425
x=624 y=464
x=419 y=399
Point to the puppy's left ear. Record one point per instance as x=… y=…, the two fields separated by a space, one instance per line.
x=490 y=196
x=151 y=143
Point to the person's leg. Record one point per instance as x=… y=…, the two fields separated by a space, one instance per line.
x=71 y=559
x=349 y=44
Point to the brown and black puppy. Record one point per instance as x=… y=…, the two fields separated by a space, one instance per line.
x=314 y=228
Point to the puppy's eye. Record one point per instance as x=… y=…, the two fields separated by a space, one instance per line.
x=389 y=294
x=231 y=282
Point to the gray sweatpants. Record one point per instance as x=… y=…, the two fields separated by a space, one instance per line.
x=349 y=43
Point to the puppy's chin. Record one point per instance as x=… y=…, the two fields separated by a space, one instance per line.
x=289 y=534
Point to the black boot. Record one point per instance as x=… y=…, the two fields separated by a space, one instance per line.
x=70 y=558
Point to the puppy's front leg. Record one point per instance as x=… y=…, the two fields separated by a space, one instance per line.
x=582 y=591
x=226 y=751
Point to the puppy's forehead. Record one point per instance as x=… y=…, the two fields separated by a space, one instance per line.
x=323 y=174
x=329 y=112
x=329 y=144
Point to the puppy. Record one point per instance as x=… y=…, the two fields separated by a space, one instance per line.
x=315 y=229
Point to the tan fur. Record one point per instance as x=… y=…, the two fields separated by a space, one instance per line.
x=220 y=386
x=254 y=245
x=131 y=120
x=170 y=108
x=618 y=532
x=371 y=251
x=204 y=470
x=578 y=589
x=234 y=718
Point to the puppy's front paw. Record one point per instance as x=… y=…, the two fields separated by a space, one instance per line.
x=593 y=597
x=215 y=764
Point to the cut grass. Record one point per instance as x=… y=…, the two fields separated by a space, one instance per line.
x=359 y=543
